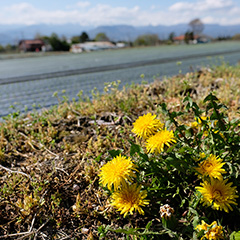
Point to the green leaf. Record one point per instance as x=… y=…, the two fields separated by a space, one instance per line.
x=134 y=149
x=126 y=231
x=136 y=232
x=149 y=225
x=188 y=99
x=114 y=153
x=164 y=108
x=144 y=156
x=176 y=114
x=97 y=159
x=210 y=97
x=235 y=235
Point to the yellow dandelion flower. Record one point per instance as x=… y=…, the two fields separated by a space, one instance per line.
x=215 y=232
x=146 y=126
x=212 y=231
x=129 y=198
x=157 y=142
x=198 y=122
x=202 y=155
x=117 y=171
x=203 y=226
x=220 y=133
x=211 y=167
x=218 y=194
x=193 y=125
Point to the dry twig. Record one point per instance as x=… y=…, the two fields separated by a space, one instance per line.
x=12 y=171
x=26 y=234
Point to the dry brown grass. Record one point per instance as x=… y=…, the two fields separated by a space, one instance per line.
x=49 y=162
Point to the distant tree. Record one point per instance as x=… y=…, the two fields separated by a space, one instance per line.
x=75 y=39
x=45 y=39
x=64 y=38
x=80 y=39
x=84 y=37
x=171 y=36
x=10 y=48
x=189 y=36
x=64 y=46
x=147 y=40
x=224 y=38
x=55 y=42
x=140 y=41
x=236 y=37
x=101 y=37
x=38 y=36
x=2 y=49
x=58 y=44
x=196 y=25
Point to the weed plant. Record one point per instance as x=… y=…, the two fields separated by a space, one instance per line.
x=171 y=169
x=51 y=163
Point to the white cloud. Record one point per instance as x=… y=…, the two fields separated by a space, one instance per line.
x=83 y=4
x=153 y=7
x=209 y=11
x=200 y=6
x=223 y=12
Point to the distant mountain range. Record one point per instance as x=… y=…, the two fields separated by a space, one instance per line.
x=12 y=34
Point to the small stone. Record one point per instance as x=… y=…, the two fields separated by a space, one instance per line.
x=76 y=187
x=85 y=230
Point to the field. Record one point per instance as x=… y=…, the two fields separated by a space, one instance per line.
x=91 y=169
x=20 y=94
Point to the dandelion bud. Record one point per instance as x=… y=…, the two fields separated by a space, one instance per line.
x=168 y=219
x=166 y=211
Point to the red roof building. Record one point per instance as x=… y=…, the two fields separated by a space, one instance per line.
x=31 y=45
x=196 y=39
x=179 y=38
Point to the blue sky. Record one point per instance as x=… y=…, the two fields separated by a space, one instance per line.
x=112 y=12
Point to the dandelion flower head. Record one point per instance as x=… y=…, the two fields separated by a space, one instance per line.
x=146 y=126
x=157 y=142
x=203 y=226
x=202 y=155
x=212 y=231
x=215 y=232
x=193 y=125
x=129 y=198
x=211 y=167
x=218 y=194
x=198 y=122
x=115 y=172
x=204 y=118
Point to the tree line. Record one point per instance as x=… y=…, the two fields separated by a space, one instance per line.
x=57 y=43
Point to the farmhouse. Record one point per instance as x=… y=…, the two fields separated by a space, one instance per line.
x=201 y=38
x=91 y=46
x=31 y=45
